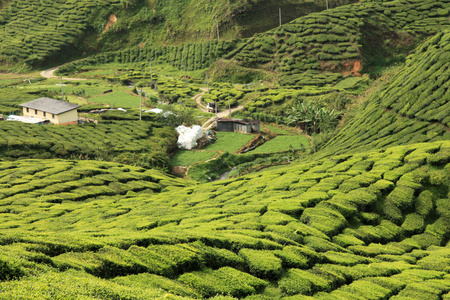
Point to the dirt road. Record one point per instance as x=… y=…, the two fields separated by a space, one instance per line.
x=198 y=99
x=50 y=74
x=224 y=113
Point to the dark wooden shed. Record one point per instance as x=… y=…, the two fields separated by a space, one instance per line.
x=237 y=125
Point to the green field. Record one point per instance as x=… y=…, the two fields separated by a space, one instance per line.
x=357 y=206
x=226 y=142
x=189 y=157
x=118 y=99
x=283 y=143
x=229 y=141
x=276 y=130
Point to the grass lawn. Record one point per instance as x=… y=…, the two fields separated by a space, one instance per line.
x=230 y=141
x=276 y=130
x=74 y=99
x=117 y=99
x=283 y=143
x=188 y=157
x=226 y=142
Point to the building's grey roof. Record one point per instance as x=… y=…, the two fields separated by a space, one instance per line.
x=247 y=122
x=51 y=106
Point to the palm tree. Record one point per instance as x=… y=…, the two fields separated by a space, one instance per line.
x=310 y=117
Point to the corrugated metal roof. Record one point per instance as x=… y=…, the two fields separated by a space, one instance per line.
x=238 y=121
x=50 y=105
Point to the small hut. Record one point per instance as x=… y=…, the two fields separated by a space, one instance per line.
x=237 y=125
x=56 y=111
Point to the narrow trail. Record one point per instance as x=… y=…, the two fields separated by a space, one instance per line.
x=198 y=99
x=50 y=73
x=225 y=113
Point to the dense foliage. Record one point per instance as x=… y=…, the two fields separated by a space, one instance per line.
x=343 y=40
x=129 y=142
x=33 y=31
x=375 y=220
x=38 y=32
x=364 y=215
x=412 y=108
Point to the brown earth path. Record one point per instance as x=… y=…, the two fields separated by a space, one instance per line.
x=49 y=73
x=224 y=113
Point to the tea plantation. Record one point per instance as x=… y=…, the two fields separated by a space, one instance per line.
x=357 y=220
x=413 y=108
x=360 y=211
x=370 y=224
x=33 y=31
x=318 y=48
x=74 y=141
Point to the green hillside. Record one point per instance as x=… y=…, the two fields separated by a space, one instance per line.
x=356 y=210
x=344 y=40
x=375 y=222
x=319 y=49
x=368 y=220
x=140 y=143
x=39 y=32
x=412 y=108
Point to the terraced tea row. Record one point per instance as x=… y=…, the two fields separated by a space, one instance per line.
x=192 y=56
x=103 y=141
x=33 y=31
x=373 y=223
x=413 y=107
x=340 y=39
x=57 y=181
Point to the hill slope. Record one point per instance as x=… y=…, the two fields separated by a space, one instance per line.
x=413 y=108
x=41 y=32
x=318 y=49
x=368 y=220
x=375 y=221
x=347 y=39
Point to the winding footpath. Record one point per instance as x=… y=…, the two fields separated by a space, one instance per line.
x=224 y=113
x=50 y=73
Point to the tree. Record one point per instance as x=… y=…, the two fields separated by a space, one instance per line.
x=311 y=117
x=175 y=115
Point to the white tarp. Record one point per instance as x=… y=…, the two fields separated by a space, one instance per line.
x=155 y=110
x=188 y=136
x=25 y=119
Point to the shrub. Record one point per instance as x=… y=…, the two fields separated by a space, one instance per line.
x=414 y=223
x=223 y=281
x=292 y=258
x=367 y=289
x=262 y=263
x=302 y=282
x=217 y=258
x=325 y=219
x=184 y=257
x=401 y=197
x=10 y=268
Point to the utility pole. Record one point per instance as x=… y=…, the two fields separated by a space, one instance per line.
x=279 y=10
x=62 y=92
x=140 y=105
x=229 y=104
x=215 y=108
x=207 y=83
x=327 y=4
x=151 y=71
x=218 y=36
x=185 y=77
